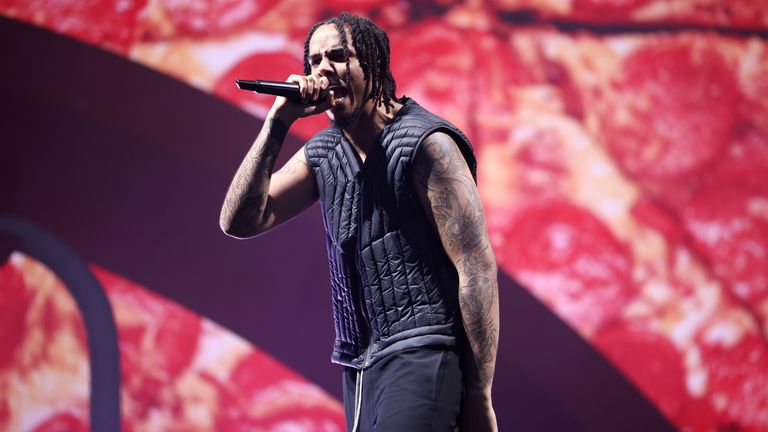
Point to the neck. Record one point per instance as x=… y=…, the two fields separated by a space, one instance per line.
x=372 y=120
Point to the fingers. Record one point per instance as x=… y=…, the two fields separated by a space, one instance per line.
x=310 y=102
x=310 y=87
x=301 y=81
x=322 y=83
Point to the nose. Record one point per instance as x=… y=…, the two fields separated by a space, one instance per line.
x=324 y=68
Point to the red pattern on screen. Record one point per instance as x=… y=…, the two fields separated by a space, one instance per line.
x=169 y=379
x=678 y=104
x=660 y=376
x=571 y=261
x=111 y=24
x=14 y=302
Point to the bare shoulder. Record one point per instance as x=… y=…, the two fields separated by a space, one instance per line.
x=439 y=156
x=439 y=144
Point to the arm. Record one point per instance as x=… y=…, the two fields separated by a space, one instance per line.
x=449 y=195
x=258 y=200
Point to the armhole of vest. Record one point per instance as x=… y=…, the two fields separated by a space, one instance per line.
x=306 y=156
x=463 y=143
x=310 y=142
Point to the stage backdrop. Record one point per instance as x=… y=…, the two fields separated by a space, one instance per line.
x=623 y=165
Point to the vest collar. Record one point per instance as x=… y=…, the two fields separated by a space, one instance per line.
x=357 y=165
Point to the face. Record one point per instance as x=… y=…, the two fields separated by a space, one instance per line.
x=327 y=59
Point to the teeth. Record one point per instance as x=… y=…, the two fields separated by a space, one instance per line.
x=337 y=98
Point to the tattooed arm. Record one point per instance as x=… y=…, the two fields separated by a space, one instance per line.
x=449 y=196
x=258 y=200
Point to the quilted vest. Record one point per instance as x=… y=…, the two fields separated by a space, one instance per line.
x=392 y=285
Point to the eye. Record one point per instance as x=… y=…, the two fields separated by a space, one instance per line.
x=337 y=55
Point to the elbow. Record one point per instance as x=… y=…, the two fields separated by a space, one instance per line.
x=240 y=231
x=243 y=221
x=238 y=234
x=482 y=275
x=490 y=258
x=486 y=264
x=229 y=230
x=226 y=225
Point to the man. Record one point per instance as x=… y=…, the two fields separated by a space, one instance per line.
x=413 y=277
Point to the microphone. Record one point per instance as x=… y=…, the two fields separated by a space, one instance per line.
x=276 y=88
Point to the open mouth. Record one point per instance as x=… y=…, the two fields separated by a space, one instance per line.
x=339 y=93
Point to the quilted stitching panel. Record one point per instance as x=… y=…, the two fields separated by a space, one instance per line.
x=407 y=280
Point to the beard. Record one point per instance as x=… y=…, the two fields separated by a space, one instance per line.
x=349 y=122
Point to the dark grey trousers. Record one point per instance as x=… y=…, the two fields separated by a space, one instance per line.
x=415 y=390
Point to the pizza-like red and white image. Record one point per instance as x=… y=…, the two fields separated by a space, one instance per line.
x=178 y=371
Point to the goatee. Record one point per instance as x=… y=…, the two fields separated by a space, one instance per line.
x=349 y=122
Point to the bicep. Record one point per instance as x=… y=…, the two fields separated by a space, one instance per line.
x=292 y=190
x=448 y=193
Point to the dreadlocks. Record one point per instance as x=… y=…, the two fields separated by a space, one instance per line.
x=372 y=46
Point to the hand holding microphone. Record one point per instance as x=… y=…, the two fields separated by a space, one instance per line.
x=300 y=96
x=290 y=90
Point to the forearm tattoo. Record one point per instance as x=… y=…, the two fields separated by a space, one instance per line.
x=459 y=220
x=247 y=196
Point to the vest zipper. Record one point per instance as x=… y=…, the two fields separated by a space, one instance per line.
x=364 y=310
x=361 y=271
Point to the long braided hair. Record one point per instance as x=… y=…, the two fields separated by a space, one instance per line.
x=372 y=46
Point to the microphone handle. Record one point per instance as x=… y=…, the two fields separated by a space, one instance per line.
x=275 y=88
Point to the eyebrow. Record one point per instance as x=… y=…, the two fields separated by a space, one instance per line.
x=337 y=50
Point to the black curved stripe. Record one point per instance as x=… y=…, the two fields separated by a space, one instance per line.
x=94 y=306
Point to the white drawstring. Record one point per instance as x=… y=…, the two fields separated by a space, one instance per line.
x=358 y=399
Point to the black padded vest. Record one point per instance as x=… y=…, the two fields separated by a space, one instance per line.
x=393 y=286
